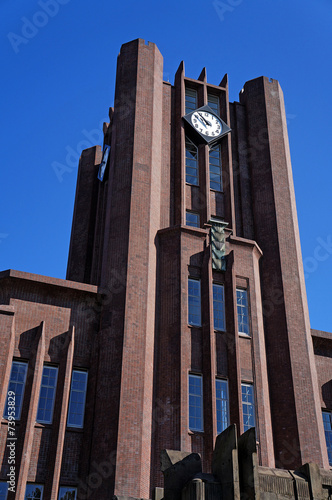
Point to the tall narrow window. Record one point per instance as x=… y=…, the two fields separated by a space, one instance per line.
x=218 y=307
x=215 y=168
x=195 y=403
x=34 y=492
x=327 y=421
x=77 y=398
x=192 y=219
x=248 y=406
x=16 y=388
x=3 y=490
x=194 y=302
x=222 y=405
x=67 y=493
x=213 y=102
x=242 y=311
x=190 y=100
x=47 y=395
x=191 y=163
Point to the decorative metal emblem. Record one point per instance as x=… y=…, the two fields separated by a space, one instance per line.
x=218 y=244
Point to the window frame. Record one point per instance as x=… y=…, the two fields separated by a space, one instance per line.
x=199 y=324
x=216 y=166
x=195 y=176
x=187 y=97
x=43 y=421
x=190 y=212
x=200 y=398
x=328 y=437
x=67 y=488
x=249 y=404
x=71 y=425
x=219 y=429
x=215 y=106
x=246 y=309
x=5 y=414
x=219 y=285
x=41 y=486
x=4 y=494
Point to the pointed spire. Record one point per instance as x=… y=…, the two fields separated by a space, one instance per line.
x=224 y=81
x=202 y=76
x=180 y=69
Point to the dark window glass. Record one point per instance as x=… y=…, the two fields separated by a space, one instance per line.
x=194 y=302
x=219 y=307
x=192 y=219
x=190 y=100
x=191 y=163
x=195 y=403
x=248 y=406
x=242 y=311
x=77 y=399
x=47 y=395
x=222 y=405
x=327 y=421
x=215 y=168
x=15 y=391
x=213 y=102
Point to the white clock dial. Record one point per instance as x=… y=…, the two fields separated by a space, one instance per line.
x=206 y=123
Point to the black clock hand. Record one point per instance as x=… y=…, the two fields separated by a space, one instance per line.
x=206 y=121
x=201 y=119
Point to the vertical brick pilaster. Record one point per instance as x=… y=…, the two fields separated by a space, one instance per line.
x=263 y=411
x=81 y=248
x=59 y=424
x=209 y=359
x=228 y=183
x=179 y=147
x=293 y=383
x=233 y=354
x=128 y=319
x=31 y=420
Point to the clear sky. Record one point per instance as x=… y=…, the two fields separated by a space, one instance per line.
x=57 y=83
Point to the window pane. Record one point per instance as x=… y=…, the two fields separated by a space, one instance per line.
x=194 y=302
x=213 y=102
x=222 y=405
x=218 y=307
x=215 y=168
x=191 y=171
x=3 y=490
x=77 y=399
x=67 y=493
x=190 y=100
x=192 y=219
x=34 y=492
x=191 y=163
x=327 y=421
x=248 y=406
x=47 y=394
x=242 y=311
x=15 y=391
x=195 y=403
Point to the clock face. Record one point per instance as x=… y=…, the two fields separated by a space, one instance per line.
x=206 y=123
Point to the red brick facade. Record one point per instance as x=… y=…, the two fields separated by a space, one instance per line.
x=122 y=313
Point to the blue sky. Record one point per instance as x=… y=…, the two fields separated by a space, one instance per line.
x=59 y=62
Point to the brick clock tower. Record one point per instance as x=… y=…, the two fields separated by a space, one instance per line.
x=184 y=309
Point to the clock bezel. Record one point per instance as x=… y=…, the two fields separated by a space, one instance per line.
x=199 y=135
